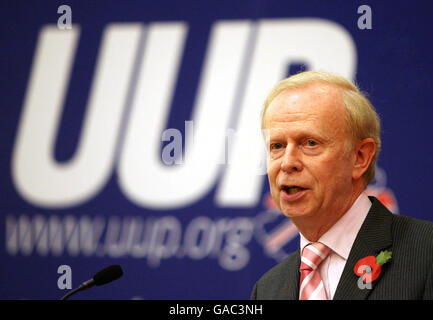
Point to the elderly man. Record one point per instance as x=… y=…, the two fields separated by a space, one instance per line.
x=323 y=140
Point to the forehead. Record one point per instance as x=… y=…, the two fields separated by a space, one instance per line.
x=318 y=105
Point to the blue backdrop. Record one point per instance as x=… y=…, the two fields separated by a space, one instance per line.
x=94 y=113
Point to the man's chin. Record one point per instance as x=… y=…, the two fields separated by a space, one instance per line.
x=295 y=216
x=293 y=211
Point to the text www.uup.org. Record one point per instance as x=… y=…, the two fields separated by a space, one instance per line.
x=152 y=238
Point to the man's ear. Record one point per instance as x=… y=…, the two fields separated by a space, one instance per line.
x=364 y=153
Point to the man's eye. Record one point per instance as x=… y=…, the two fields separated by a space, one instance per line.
x=276 y=146
x=311 y=143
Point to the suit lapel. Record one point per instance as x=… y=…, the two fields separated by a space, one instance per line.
x=289 y=290
x=374 y=236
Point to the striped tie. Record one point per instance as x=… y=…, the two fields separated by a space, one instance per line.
x=311 y=285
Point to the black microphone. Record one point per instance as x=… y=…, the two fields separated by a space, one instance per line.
x=104 y=276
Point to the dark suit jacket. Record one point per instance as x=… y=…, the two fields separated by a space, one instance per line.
x=408 y=275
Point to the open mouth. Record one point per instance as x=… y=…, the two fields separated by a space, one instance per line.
x=292 y=189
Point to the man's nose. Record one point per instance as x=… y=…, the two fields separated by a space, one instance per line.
x=291 y=160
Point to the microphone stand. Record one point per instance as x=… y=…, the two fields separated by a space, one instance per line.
x=70 y=293
x=85 y=285
x=102 y=277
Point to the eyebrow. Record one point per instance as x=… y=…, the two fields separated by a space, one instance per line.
x=277 y=133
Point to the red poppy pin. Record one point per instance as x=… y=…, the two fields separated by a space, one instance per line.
x=369 y=268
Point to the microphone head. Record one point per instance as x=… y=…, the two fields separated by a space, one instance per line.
x=108 y=274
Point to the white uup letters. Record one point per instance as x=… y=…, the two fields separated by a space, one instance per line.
x=244 y=59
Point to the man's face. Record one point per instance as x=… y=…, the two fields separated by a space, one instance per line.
x=309 y=170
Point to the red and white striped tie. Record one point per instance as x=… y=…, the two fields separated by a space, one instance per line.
x=311 y=285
